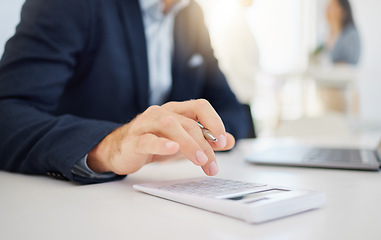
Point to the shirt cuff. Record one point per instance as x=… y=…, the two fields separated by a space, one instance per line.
x=81 y=169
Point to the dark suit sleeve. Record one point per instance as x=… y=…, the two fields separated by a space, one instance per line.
x=36 y=66
x=216 y=88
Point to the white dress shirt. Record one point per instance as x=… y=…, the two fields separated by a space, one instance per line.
x=159 y=28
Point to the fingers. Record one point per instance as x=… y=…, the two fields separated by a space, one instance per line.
x=151 y=144
x=211 y=169
x=192 y=143
x=230 y=142
x=200 y=110
x=182 y=135
x=188 y=135
x=172 y=129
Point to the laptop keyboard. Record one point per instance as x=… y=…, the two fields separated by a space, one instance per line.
x=333 y=155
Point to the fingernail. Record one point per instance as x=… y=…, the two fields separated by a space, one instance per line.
x=201 y=158
x=222 y=141
x=170 y=145
x=213 y=169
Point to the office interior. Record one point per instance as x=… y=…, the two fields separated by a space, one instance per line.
x=291 y=95
x=294 y=94
x=265 y=49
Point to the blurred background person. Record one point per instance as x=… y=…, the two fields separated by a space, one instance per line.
x=344 y=40
x=337 y=60
x=343 y=43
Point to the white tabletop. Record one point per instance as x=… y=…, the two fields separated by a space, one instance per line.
x=38 y=207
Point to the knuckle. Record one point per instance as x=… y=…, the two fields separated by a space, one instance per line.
x=144 y=140
x=153 y=109
x=169 y=104
x=167 y=122
x=151 y=113
x=190 y=125
x=203 y=102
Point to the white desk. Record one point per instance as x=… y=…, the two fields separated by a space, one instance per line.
x=36 y=207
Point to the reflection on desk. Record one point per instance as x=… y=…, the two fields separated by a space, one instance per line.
x=37 y=207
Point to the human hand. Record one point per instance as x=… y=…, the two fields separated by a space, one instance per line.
x=161 y=133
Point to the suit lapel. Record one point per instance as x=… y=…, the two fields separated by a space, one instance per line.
x=132 y=19
x=181 y=54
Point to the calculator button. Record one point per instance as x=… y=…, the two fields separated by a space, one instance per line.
x=211 y=187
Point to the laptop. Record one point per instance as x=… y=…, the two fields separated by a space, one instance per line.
x=310 y=155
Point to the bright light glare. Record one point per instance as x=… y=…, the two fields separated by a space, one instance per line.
x=277 y=27
x=221 y=14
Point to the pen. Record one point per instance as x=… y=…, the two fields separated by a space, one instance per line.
x=207 y=134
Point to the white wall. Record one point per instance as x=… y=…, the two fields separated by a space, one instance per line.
x=367 y=13
x=277 y=28
x=9 y=17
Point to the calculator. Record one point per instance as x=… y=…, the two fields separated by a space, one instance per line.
x=251 y=202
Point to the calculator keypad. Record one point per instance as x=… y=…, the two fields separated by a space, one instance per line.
x=209 y=187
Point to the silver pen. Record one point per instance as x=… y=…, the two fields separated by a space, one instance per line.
x=208 y=135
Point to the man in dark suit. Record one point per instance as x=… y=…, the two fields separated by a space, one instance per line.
x=77 y=83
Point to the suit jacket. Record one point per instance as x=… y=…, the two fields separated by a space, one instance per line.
x=77 y=69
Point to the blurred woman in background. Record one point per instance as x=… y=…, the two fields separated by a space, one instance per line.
x=344 y=41
x=334 y=64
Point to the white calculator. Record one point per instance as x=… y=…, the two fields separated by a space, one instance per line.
x=252 y=202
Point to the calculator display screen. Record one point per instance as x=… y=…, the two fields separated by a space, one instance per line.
x=257 y=194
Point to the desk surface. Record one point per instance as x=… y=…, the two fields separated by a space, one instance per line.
x=37 y=207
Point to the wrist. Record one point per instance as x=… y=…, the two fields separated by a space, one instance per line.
x=96 y=159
